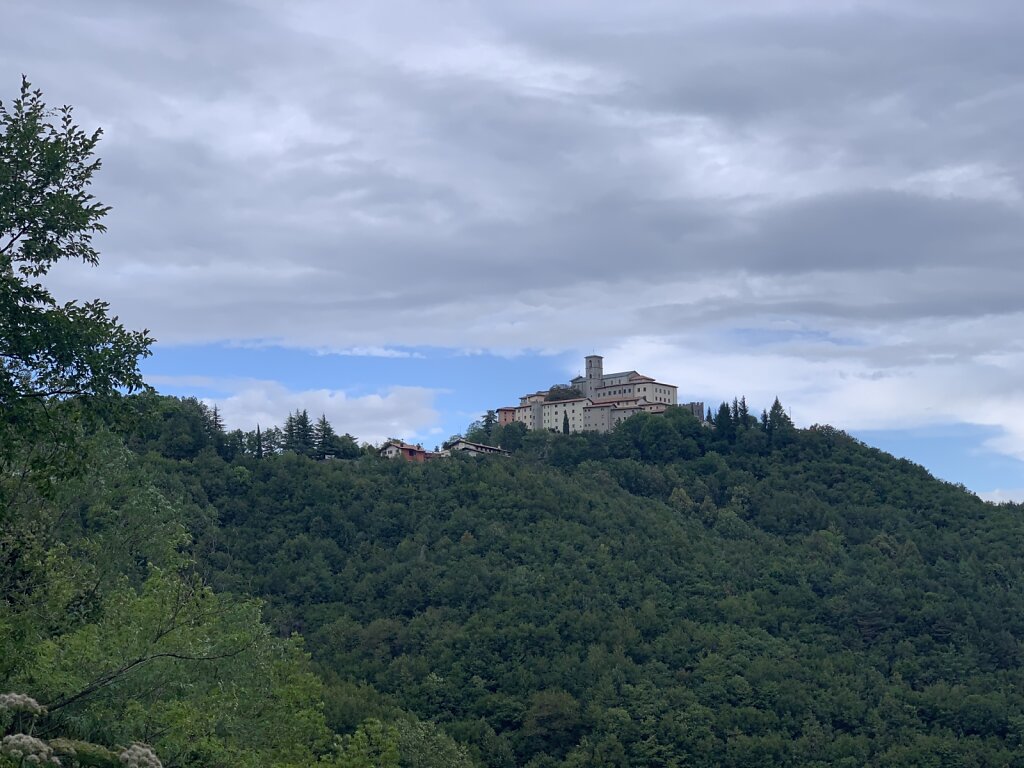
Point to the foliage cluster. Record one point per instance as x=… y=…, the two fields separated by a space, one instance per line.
x=559 y=392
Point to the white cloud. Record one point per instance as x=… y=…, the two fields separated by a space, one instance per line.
x=999 y=496
x=976 y=181
x=402 y=412
x=851 y=386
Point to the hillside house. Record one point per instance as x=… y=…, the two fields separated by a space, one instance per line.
x=396 y=449
x=475 y=449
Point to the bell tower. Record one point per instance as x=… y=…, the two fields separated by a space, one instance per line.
x=595 y=374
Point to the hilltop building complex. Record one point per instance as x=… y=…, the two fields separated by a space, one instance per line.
x=604 y=400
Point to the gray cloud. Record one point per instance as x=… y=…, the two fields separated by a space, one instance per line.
x=495 y=175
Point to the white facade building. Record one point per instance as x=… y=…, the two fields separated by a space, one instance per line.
x=607 y=399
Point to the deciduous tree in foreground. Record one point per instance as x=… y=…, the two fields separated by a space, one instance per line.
x=51 y=351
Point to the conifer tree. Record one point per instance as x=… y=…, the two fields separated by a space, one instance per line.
x=565 y=423
x=724 y=424
x=780 y=426
x=298 y=434
x=258 y=444
x=216 y=421
x=288 y=438
x=324 y=438
x=304 y=442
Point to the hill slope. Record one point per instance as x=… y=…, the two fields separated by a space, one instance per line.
x=664 y=595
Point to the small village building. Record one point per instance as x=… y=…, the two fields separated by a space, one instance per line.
x=476 y=449
x=396 y=449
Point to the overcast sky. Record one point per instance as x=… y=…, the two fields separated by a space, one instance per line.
x=818 y=199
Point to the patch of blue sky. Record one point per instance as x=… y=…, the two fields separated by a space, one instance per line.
x=467 y=385
x=953 y=452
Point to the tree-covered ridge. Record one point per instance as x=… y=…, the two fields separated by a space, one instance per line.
x=667 y=594
x=183 y=428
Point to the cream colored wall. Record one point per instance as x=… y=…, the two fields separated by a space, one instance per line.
x=656 y=392
x=525 y=415
x=616 y=391
x=537 y=414
x=553 y=412
x=597 y=418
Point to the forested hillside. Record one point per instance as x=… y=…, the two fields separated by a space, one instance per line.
x=669 y=594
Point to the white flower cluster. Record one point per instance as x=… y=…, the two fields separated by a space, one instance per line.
x=19 y=702
x=27 y=750
x=140 y=756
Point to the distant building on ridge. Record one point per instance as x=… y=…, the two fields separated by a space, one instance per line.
x=605 y=400
x=397 y=449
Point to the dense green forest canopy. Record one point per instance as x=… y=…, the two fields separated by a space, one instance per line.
x=671 y=593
